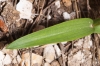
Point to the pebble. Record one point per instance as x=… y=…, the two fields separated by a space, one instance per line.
x=64 y=42
x=4 y=59
x=36 y=59
x=2 y=0
x=47 y=64
x=57 y=4
x=55 y=63
x=48 y=17
x=25 y=8
x=12 y=53
x=18 y=58
x=66 y=16
x=58 y=51
x=49 y=53
x=67 y=3
x=7 y=60
x=1 y=58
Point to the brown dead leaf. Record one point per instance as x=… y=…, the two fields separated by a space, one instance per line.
x=3 y=27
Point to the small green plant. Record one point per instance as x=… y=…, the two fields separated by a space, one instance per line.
x=66 y=31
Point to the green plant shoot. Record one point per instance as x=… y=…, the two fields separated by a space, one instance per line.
x=97 y=25
x=66 y=31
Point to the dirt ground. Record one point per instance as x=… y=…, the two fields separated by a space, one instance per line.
x=40 y=14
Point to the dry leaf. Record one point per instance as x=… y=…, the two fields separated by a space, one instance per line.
x=3 y=27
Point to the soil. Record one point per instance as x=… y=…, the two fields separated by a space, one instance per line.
x=82 y=52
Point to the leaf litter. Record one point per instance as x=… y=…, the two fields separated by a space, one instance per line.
x=40 y=15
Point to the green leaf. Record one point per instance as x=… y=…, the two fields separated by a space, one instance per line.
x=96 y=22
x=66 y=31
x=97 y=26
x=97 y=29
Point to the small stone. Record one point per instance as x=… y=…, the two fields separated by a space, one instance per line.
x=48 y=17
x=64 y=42
x=47 y=64
x=1 y=55
x=67 y=3
x=36 y=59
x=2 y=0
x=12 y=53
x=25 y=8
x=49 y=53
x=18 y=58
x=57 y=3
x=76 y=59
x=58 y=51
x=14 y=61
x=55 y=63
x=87 y=43
x=72 y=14
x=7 y=60
x=66 y=16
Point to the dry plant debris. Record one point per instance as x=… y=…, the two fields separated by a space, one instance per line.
x=18 y=19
